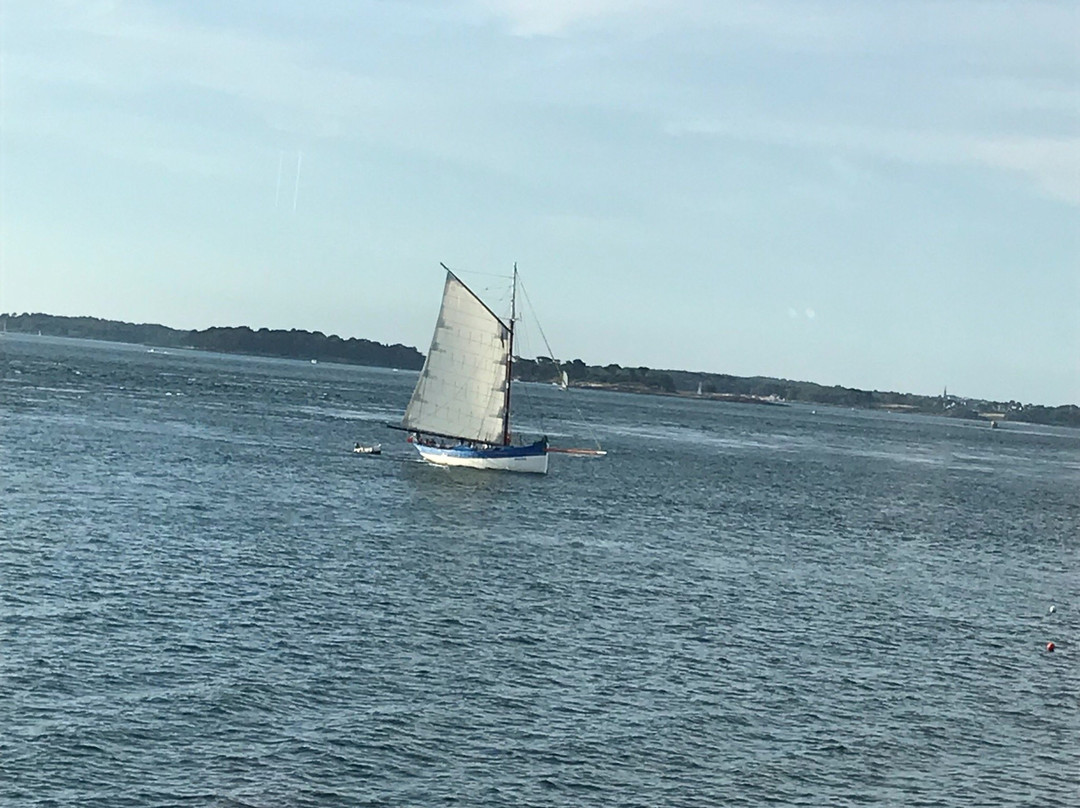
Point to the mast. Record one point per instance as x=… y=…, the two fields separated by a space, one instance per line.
x=510 y=360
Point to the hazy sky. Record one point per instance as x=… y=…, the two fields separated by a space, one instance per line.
x=874 y=194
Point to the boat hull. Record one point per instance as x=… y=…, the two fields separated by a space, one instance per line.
x=530 y=459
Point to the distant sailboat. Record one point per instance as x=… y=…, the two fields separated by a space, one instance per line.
x=459 y=412
x=564 y=380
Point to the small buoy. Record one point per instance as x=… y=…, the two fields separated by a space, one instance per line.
x=1053 y=609
x=1049 y=646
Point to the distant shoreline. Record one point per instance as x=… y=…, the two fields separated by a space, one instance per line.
x=989 y=417
x=292 y=344
x=760 y=390
x=641 y=389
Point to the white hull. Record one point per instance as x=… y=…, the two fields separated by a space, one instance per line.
x=529 y=464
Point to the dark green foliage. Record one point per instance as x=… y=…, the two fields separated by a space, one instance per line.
x=1065 y=415
x=761 y=388
x=316 y=345
x=642 y=379
x=292 y=344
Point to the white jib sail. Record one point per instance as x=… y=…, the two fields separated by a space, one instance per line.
x=461 y=391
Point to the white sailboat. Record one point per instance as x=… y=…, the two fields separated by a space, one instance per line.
x=459 y=412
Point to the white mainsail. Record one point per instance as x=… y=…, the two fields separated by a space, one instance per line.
x=461 y=391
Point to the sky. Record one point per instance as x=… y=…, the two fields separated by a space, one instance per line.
x=882 y=195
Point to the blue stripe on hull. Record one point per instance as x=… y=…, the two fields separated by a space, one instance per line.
x=494 y=453
x=532 y=458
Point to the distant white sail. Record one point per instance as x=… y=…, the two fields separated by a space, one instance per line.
x=564 y=380
x=462 y=387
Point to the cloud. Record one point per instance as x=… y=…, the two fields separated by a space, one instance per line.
x=1050 y=163
x=1038 y=32
x=118 y=55
x=527 y=18
x=784 y=24
x=130 y=50
x=1053 y=163
x=795 y=314
x=986 y=85
x=109 y=76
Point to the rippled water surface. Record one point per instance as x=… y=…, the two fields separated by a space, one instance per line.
x=207 y=599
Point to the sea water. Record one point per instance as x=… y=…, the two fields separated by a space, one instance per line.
x=207 y=599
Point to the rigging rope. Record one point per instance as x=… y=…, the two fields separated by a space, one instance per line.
x=558 y=366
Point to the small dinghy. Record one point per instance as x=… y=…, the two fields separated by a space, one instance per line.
x=373 y=449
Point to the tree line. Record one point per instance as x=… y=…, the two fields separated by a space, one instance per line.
x=291 y=344
x=299 y=344
x=720 y=385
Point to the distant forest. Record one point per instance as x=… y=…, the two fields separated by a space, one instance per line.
x=306 y=345
x=765 y=390
x=292 y=344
